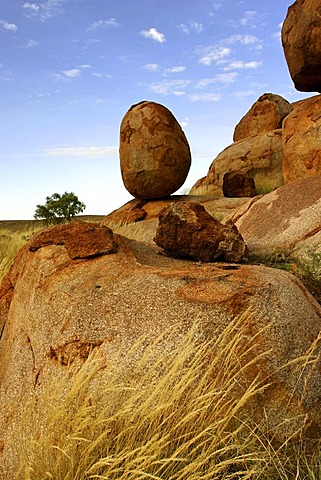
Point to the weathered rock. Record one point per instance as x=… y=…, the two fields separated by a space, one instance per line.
x=60 y=309
x=301 y=38
x=283 y=220
x=267 y=114
x=81 y=239
x=186 y=230
x=258 y=156
x=238 y=184
x=301 y=141
x=154 y=153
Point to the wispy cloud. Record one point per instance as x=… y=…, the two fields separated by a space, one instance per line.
x=153 y=34
x=277 y=35
x=90 y=152
x=250 y=18
x=44 y=10
x=32 y=43
x=167 y=87
x=212 y=54
x=67 y=75
x=218 y=78
x=151 y=67
x=205 y=97
x=178 y=69
x=239 y=64
x=191 y=27
x=10 y=27
x=101 y=75
x=109 y=22
x=243 y=40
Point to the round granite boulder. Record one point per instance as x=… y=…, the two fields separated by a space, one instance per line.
x=155 y=157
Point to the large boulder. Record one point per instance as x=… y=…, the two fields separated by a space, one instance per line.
x=284 y=220
x=301 y=141
x=187 y=230
x=259 y=156
x=301 y=38
x=154 y=153
x=55 y=310
x=266 y=114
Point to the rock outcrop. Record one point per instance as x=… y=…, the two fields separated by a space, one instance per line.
x=238 y=184
x=259 y=156
x=301 y=38
x=154 y=153
x=284 y=220
x=265 y=115
x=301 y=141
x=186 y=230
x=56 y=309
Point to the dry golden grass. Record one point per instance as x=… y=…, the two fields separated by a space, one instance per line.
x=175 y=416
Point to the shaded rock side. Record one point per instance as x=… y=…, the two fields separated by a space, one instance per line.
x=154 y=153
x=301 y=39
x=259 y=156
x=265 y=115
x=301 y=141
x=186 y=230
x=238 y=184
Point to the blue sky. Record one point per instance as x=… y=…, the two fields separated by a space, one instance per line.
x=70 y=69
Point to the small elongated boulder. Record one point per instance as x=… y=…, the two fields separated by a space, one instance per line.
x=155 y=157
x=301 y=39
x=187 y=230
x=266 y=114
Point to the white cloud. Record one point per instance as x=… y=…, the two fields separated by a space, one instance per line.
x=239 y=64
x=218 y=78
x=242 y=39
x=177 y=69
x=44 y=10
x=213 y=54
x=174 y=87
x=109 y=22
x=67 y=75
x=151 y=67
x=153 y=34
x=10 y=27
x=90 y=152
x=205 y=97
x=244 y=94
x=249 y=19
x=191 y=27
x=32 y=43
x=277 y=35
x=101 y=75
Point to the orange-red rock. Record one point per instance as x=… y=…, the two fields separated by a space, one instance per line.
x=301 y=141
x=301 y=38
x=186 y=230
x=259 y=156
x=267 y=114
x=154 y=153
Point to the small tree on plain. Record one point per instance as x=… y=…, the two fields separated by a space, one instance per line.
x=59 y=208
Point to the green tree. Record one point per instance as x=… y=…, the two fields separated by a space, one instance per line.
x=59 y=208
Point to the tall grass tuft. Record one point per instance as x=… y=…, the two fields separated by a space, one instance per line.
x=10 y=244
x=178 y=414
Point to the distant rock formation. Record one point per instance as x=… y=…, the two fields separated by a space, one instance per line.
x=266 y=114
x=155 y=156
x=186 y=230
x=301 y=38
